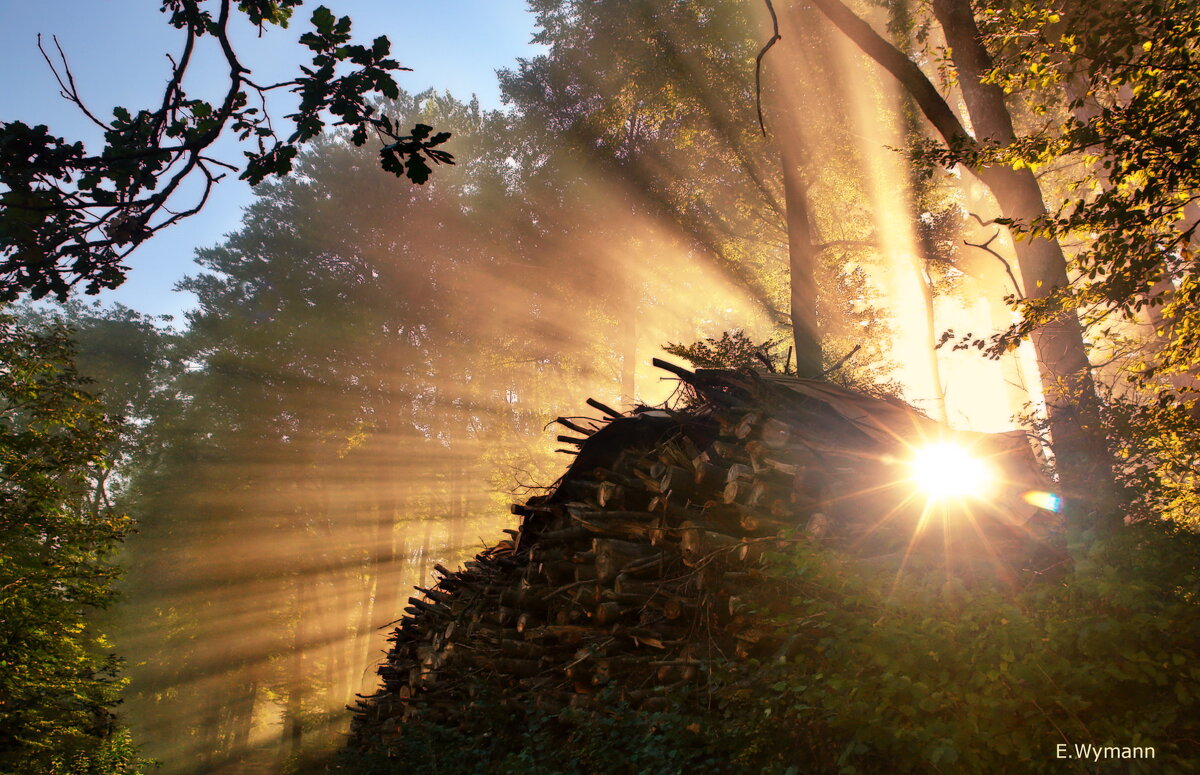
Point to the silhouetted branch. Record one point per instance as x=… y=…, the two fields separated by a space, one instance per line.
x=842 y=361
x=986 y=247
x=775 y=38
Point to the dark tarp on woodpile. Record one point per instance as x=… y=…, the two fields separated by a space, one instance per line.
x=629 y=572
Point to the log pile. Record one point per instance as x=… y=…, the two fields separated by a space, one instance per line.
x=632 y=572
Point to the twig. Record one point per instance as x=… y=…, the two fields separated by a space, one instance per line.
x=842 y=361
x=986 y=247
x=69 y=91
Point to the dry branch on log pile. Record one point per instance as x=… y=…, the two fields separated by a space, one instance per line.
x=632 y=572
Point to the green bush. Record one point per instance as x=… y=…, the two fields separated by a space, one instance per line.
x=921 y=673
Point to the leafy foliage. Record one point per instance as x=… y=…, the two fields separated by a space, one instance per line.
x=925 y=673
x=734 y=350
x=55 y=564
x=70 y=218
x=1110 y=90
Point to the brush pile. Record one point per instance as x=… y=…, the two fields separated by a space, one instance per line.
x=633 y=571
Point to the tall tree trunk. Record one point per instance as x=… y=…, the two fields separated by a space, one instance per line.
x=293 y=722
x=802 y=263
x=1072 y=405
x=423 y=564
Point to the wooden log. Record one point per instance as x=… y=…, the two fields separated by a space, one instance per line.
x=728 y=452
x=569 y=615
x=751 y=552
x=774 y=433
x=612 y=555
x=696 y=543
x=736 y=492
x=580 y=490
x=564 y=535
x=521 y=648
x=739 y=472
x=626 y=599
x=757 y=522
x=608 y=613
x=545 y=553
x=613 y=413
x=707 y=477
x=611 y=495
x=679 y=481
x=746 y=425
x=652 y=566
x=524 y=599
x=626 y=584
x=557 y=572
x=436 y=596
x=779 y=466
x=614 y=524
x=649 y=483
x=677 y=608
x=563 y=421
x=429 y=607
x=570 y=633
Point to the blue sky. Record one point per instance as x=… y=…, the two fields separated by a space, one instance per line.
x=117 y=50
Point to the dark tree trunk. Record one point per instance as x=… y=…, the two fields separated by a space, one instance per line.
x=1073 y=407
x=1072 y=404
x=802 y=264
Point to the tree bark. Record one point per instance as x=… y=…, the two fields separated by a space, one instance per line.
x=802 y=261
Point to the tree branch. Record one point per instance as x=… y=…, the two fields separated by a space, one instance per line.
x=986 y=247
x=901 y=67
x=775 y=38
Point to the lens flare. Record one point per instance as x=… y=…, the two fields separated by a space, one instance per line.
x=949 y=470
x=1043 y=500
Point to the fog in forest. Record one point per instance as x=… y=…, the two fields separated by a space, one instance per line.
x=373 y=369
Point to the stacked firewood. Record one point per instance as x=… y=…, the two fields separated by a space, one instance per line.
x=633 y=572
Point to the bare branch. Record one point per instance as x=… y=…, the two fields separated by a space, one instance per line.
x=986 y=247
x=775 y=38
x=69 y=90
